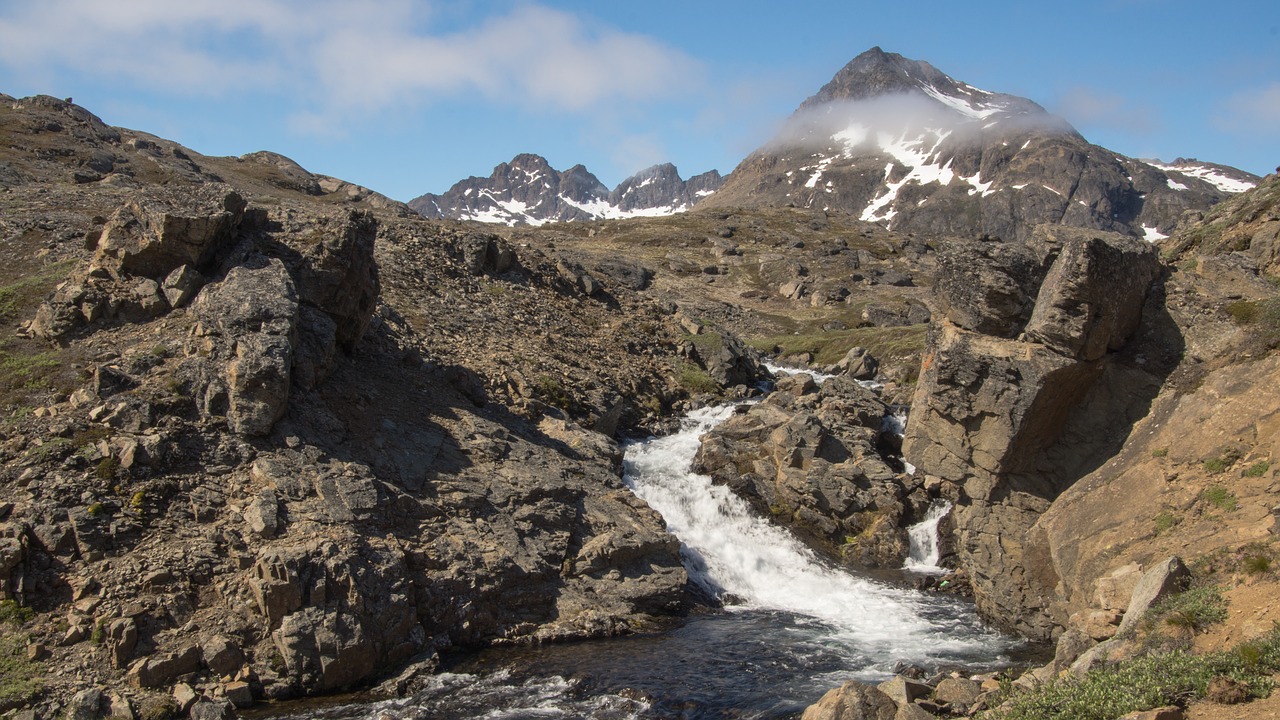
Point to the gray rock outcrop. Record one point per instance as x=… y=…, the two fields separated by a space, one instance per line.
x=1011 y=356
x=808 y=457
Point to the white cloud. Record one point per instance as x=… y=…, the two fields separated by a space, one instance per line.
x=1251 y=112
x=1085 y=106
x=341 y=59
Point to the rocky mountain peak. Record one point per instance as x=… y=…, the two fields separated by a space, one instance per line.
x=897 y=141
x=528 y=191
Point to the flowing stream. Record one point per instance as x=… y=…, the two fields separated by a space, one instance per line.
x=793 y=626
x=925 y=550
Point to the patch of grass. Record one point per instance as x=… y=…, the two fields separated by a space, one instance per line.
x=1258 y=469
x=549 y=390
x=1220 y=497
x=1219 y=463
x=20 y=679
x=1146 y=682
x=1160 y=452
x=21 y=297
x=830 y=347
x=107 y=469
x=695 y=380
x=12 y=613
x=1165 y=521
x=53 y=449
x=1196 y=609
x=1244 y=312
x=1256 y=564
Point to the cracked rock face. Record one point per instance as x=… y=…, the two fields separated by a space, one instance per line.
x=1017 y=351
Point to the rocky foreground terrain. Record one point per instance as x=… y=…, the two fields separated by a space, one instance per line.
x=268 y=434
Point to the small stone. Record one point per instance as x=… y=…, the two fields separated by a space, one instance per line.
x=239 y=693
x=185 y=696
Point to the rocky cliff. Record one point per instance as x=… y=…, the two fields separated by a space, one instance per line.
x=897 y=141
x=270 y=434
x=528 y=191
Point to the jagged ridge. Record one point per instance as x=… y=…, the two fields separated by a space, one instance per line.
x=528 y=191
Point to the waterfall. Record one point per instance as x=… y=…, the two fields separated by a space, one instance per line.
x=732 y=553
x=925 y=551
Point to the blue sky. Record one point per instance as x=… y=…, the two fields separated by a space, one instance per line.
x=408 y=97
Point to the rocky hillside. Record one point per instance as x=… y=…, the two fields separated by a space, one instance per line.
x=270 y=434
x=528 y=191
x=896 y=141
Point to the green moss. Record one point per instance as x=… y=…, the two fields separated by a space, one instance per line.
x=1160 y=452
x=12 y=613
x=1256 y=564
x=107 y=468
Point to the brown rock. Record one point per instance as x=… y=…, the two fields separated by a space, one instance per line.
x=852 y=701
x=959 y=693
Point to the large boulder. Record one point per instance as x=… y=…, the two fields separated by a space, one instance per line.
x=150 y=237
x=808 y=457
x=247 y=325
x=852 y=701
x=1017 y=353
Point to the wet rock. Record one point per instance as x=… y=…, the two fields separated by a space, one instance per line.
x=809 y=459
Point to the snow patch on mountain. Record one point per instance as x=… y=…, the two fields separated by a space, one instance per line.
x=1215 y=176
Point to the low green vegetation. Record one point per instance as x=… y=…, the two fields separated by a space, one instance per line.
x=695 y=380
x=1196 y=609
x=1160 y=452
x=1220 y=497
x=829 y=347
x=20 y=677
x=1165 y=521
x=1221 y=462
x=552 y=392
x=1260 y=317
x=1147 y=682
x=1258 y=469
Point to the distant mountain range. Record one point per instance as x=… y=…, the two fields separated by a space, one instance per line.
x=528 y=191
x=889 y=140
x=896 y=141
